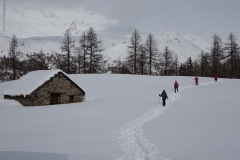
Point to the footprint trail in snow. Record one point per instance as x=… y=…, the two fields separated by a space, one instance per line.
x=131 y=138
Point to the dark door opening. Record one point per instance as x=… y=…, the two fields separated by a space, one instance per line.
x=71 y=99
x=54 y=99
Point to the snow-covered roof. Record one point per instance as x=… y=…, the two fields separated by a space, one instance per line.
x=29 y=82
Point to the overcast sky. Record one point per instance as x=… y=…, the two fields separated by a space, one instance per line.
x=202 y=18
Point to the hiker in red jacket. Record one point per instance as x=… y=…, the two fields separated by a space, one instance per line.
x=176 y=86
x=215 y=77
x=196 y=80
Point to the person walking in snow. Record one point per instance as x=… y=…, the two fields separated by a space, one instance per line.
x=215 y=77
x=196 y=80
x=164 y=97
x=176 y=86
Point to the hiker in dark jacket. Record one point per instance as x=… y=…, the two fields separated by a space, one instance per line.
x=164 y=97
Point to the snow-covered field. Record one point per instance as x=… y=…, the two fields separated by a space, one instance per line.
x=123 y=119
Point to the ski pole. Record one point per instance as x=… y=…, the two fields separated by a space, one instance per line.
x=169 y=101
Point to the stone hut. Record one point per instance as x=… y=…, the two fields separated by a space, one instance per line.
x=44 y=87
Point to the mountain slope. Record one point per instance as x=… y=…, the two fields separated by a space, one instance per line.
x=27 y=22
x=42 y=28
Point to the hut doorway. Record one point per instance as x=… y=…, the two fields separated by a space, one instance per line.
x=55 y=99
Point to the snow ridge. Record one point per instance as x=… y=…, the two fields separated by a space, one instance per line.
x=131 y=136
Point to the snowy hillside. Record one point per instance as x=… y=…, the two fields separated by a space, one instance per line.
x=123 y=119
x=27 y=22
x=43 y=28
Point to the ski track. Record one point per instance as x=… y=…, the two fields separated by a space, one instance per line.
x=131 y=138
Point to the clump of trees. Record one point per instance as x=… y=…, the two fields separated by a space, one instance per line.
x=87 y=57
x=222 y=59
x=143 y=58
